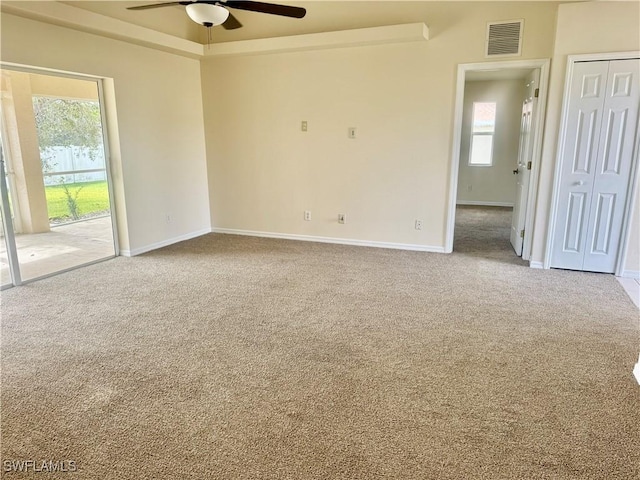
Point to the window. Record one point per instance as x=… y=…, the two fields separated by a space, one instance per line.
x=482 y=130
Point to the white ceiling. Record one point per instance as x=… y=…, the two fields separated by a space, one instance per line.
x=322 y=16
x=169 y=28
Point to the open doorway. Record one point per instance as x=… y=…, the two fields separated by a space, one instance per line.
x=497 y=139
x=55 y=183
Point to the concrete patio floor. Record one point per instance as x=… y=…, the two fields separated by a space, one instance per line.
x=64 y=247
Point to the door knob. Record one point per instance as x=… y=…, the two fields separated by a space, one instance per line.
x=516 y=171
x=580 y=183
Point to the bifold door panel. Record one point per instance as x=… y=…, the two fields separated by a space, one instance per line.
x=596 y=164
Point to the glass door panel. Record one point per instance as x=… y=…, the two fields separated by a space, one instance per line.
x=5 y=271
x=9 y=271
x=56 y=172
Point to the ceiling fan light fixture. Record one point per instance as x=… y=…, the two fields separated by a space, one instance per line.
x=207 y=14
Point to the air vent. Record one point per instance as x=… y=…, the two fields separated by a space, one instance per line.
x=504 y=38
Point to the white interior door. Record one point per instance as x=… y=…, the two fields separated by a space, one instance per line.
x=597 y=156
x=523 y=169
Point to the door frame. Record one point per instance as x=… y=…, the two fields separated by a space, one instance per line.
x=7 y=228
x=633 y=176
x=463 y=68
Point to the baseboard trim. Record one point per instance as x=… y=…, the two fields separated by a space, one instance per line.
x=340 y=241
x=484 y=204
x=164 y=243
x=536 y=264
x=630 y=274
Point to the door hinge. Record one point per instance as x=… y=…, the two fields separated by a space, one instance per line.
x=522 y=233
x=537 y=93
x=528 y=165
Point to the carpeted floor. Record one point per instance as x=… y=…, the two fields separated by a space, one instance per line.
x=226 y=357
x=484 y=232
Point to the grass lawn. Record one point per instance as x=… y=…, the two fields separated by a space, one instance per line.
x=92 y=198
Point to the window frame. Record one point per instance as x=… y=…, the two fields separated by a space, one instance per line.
x=482 y=134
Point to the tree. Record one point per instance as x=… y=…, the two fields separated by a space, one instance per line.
x=66 y=123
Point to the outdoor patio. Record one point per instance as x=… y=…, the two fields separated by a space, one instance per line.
x=64 y=247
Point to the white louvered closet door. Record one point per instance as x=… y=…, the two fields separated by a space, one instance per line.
x=597 y=156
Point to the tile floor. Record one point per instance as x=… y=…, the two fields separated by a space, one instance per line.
x=632 y=287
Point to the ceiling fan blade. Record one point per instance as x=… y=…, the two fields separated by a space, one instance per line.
x=231 y=23
x=272 y=8
x=157 y=5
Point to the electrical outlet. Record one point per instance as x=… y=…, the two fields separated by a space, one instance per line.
x=342 y=218
x=307 y=215
x=418 y=224
x=168 y=218
x=303 y=126
x=469 y=188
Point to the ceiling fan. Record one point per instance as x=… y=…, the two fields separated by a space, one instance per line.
x=215 y=12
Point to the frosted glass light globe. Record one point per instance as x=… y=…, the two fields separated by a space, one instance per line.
x=207 y=14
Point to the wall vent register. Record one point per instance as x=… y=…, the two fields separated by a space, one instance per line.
x=504 y=38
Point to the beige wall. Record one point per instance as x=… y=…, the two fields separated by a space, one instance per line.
x=592 y=27
x=160 y=166
x=264 y=172
x=495 y=184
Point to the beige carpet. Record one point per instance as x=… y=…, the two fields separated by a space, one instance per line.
x=244 y=358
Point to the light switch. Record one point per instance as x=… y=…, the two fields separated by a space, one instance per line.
x=303 y=127
x=352 y=132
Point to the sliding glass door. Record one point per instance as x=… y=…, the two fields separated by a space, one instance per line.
x=55 y=187
x=9 y=271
